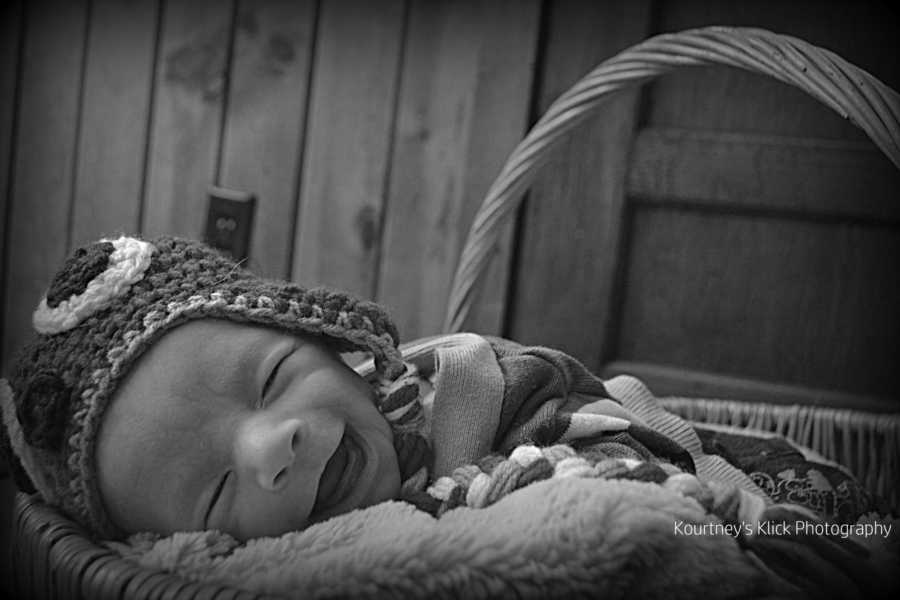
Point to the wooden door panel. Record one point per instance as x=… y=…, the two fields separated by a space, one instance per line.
x=727 y=99
x=571 y=221
x=43 y=159
x=264 y=125
x=794 y=177
x=11 y=18
x=460 y=112
x=347 y=144
x=190 y=88
x=761 y=228
x=114 y=119
x=783 y=300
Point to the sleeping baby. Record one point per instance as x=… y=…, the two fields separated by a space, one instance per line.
x=168 y=390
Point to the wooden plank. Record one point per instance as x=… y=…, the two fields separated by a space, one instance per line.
x=348 y=144
x=464 y=105
x=733 y=100
x=669 y=381
x=264 y=125
x=573 y=217
x=796 y=175
x=117 y=91
x=184 y=142
x=810 y=304
x=10 y=35
x=44 y=158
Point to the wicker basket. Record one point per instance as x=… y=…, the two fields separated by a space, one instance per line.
x=54 y=558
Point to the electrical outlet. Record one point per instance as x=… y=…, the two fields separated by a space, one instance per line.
x=229 y=221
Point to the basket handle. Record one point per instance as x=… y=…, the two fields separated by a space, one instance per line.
x=850 y=91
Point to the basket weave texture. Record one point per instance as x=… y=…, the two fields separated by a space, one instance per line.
x=54 y=558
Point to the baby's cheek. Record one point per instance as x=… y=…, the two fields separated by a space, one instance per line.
x=269 y=517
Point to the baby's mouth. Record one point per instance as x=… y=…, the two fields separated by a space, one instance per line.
x=340 y=476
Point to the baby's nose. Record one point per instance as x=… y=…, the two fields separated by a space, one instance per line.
x=267 y=450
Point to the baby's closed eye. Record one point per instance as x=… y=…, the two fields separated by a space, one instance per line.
x=214 y=499
x=271 y=378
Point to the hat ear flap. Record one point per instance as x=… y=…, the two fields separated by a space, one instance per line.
x=42 y=410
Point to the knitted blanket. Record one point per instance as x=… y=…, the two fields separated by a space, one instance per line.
x=475 y=437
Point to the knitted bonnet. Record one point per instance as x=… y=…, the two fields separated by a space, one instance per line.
x=110 y=301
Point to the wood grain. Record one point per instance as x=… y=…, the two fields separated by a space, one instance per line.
x=117 y=91
x=187 y=108
x=10 y=34
x=44 y=158
x=464 y=104
x=725 y=99
x=764 y=240
x=348 y=144
x=265 y=121
x=573 y=217
x=815 y=178
x=787 y=301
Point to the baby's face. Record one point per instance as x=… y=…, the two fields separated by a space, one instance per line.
x=244 y=429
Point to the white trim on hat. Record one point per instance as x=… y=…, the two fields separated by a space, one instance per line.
x=127 y=264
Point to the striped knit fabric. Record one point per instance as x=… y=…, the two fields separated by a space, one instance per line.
x=494 y=476
x=623 y=435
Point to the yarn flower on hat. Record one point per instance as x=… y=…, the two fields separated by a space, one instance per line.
x=90 y=280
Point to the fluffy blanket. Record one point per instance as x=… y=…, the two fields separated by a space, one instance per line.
x=589 y=488
x=571 y=538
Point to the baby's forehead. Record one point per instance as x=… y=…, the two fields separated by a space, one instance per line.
x=221 y=327
x=202 y=337
x=205 y=351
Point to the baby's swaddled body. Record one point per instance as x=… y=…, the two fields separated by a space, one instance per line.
x=476 y=418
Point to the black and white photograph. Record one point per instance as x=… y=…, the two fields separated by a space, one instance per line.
x=320 y=299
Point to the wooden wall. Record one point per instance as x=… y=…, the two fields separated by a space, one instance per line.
x=368 y=131
x=740 y=232
x=714 y=222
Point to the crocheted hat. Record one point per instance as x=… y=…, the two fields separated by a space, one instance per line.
x=110 y=301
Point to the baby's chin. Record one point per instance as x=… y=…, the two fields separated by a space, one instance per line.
x=388 y=487
x=386 y=483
